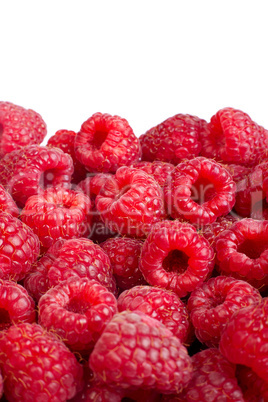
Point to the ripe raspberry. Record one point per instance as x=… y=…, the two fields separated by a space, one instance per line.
x=78 y=310
x=137 y=351
x=159 y=170
x=57 y=213
x=124 y=254
x=7 y=203
x=238 y=172
x=213 y=303
x=254 y=388
x=232 y=137
x=19 y=248
x=174 y=139
x=244 y=339
x=242 y=252
x=27 y=171
x=15 y=305
x=131 y=202
x=213 y=380
x=199 y=191
x=175 y=257
x=37 y=366
x=19 y=127
x=105 y=142
x=64 y=139
x=163 y=305
x=210 y=232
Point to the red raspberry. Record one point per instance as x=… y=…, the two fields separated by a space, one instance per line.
x=242 y=252
x=105 y=142
x=131 y=202
x=244 y=339
x=159 y=170
x=210 y=232
x=174 y=139
x=124 y=254
x=19 y=248
x=27 y=171
x=64 y=139
x=57 y=213
x=137 y=351
x=7 y=204
x=238 y=172
x=78 y=310
x=232 y=137
x=37 y=366
x=213 y=380
x=175 y=257
x=19 y=127
x=254 y=388
x=163 y=305
x=199 y=191
x=15 y=305
x=213 y=303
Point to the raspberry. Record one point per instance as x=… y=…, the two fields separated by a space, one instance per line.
x=64 y=139
x=7 y=203
x=131 y=202
x=174 y=139
x=15 y=305
x=232 y=137
x=210 y=232
x=213 y=303
x=78 y=310
x=199 y=191
x=254 y=388
x=124 y=254
x=213 y=380
x=137 y=351
x=27 y=171
x=19 y=127
x=244 y=339
x=163 y=305
x=238 y=172
x=19 y=248
x=159 y=170
x=105 y=142
x=57 y=213
x=37 y=366
x=175 y=257
x=242 y=252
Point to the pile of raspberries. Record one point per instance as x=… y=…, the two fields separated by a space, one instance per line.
x=133 y=268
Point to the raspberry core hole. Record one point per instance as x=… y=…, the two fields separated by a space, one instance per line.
x=5 y=320
x=202 y=190
x=253 y=248
x=175 y=261
x=77 y=305
x=99 y=138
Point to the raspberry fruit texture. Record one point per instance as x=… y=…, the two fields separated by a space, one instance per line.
x=175 y=139
x=64 y=139
x=213 y=380
x=19 y=248
x=37 y=366
x=254 y=388
x=57 y=213
x=238 y=172
x=232 y=137
x=15 y=305
x=78 y=310
x=136 y=351
x=19 y=127
x=131 y=202
x=160 y=304
x=124 y=254
x=7 y=204
x=29 y=170
x=210 y=232
x=244 y=339
x=242 y=252
x=175 y=257
x=105 y=142
x=159 y=170
x=213 y=303
x=199 y=190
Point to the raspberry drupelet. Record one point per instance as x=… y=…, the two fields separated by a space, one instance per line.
x=19 y=127
x=175 y=257
x=159 y=170
x=105 y=142
x=29 y=170
x=136 y=351
x=254 y=388
x=7 y=204
x=199 y=190
x=130 y=202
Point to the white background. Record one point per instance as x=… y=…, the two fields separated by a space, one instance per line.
x=142 y=60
